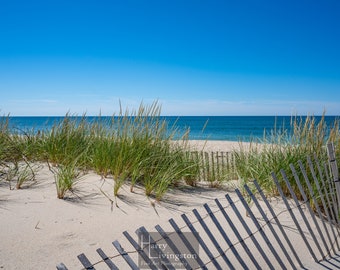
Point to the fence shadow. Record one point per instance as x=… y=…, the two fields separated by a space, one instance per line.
x=304 y=234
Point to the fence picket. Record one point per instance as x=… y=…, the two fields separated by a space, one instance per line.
x=265 y=218
x=125 y=255
x=321 y=196
x=278 y=223
x=326 y=193
x=213 y=167
x=187 y=243
x=173 y=247
x=306 y=201
x=213 y=239
x=259 y=227
x=201 y=242
x=249 y=232
x=303 y=170
x=85 y=262
x=140 y=251
x=293 y=216
x=107 y=260
x=225 y=237
x=238 y=235
x=333 y=194
x=165 y=262
x=334 y=169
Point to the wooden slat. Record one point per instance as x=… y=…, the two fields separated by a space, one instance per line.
x=187 y=243
x=61 y=266
x=173 y=246
x=106 y=259
x=213 y=239
x=207 y=165
x=332 y=197
x=165 y=262
x=290 y=211
x=201 y=242
x=140 y=251
x=335 y=171
x=326 y=190
x=259 y=228
x=204 y=178
x=278 y=223
x=324 y=187
x=125 y=255
x=85 y=262
x=225 y=237
x=304 y=173
x=238 y=235
x=322 y=197
x=298 y=204
x=249 y=232
x=221 y=161
x=268 y=223
x=213 y=167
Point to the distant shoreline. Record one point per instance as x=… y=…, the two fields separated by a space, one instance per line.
x=212 y=128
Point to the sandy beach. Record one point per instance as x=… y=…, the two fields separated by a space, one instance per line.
x=209 y=146
x=38 y=231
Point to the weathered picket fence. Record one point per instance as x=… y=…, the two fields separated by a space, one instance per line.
x=304 y=234
x=212 y=167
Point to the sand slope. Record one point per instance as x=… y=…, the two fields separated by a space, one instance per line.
x=38 y=231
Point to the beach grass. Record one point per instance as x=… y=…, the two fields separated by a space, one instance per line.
x=16 y=164
x=134 y=147
x=66 y=176
x=138 y=147
x=278 y=150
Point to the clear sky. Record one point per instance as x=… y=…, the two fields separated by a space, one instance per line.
x=227 y=57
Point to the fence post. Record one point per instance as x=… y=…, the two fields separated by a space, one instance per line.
x=334 y=167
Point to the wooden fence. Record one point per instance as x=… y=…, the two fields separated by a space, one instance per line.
x=214 y=166
x=304 y=234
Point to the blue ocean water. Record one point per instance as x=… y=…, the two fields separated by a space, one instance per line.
x=229 y=128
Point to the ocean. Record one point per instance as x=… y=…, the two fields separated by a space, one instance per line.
x=228 y=128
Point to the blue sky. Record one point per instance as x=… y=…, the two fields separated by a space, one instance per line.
x=195 y=57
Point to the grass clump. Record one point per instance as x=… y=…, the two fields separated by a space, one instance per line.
x=14 y=162
x=143 y=151
x=67 y=141
x=132 y=148
x=192 y=167
x=66 y=175
x=279 y=149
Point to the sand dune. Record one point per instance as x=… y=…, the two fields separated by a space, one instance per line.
x=38 y=231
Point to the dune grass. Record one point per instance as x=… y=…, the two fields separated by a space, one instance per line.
x=134 y=147
x=15 y=150
x=138 y=148
x=66 y=176
x=279 y=149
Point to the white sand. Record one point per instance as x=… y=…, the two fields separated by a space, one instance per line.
x=221 y=146
x=38 y=231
